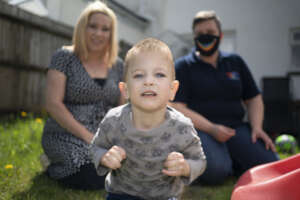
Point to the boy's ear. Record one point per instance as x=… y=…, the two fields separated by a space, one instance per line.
x=124 y=90
x=174 y=88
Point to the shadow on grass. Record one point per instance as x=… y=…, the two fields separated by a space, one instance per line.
x=210 y=192
x=43 y=188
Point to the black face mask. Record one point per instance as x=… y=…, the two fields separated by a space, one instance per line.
x=207 y=44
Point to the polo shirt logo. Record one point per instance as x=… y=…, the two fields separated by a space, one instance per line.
x=233 y=75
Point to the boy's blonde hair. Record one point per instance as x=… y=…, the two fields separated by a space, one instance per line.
x=206 y=15
x=148 y=45
x=79 y=39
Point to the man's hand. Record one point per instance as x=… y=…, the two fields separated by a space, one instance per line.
x=113 y=157
x=176 y=165
x=259 y=133
x=222 y=133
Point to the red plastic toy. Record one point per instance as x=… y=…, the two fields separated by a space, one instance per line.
x=279 y=180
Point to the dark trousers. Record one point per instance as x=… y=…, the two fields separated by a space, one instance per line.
x=111 y=196
x=233 y=157
x=86 y=179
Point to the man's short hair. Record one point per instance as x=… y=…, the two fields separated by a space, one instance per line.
x=206 y=15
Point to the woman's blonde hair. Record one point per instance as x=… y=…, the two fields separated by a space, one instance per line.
x=79 y=39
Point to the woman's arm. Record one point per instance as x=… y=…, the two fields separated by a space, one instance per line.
x=55 y=92
x=219 y=132
x=255 y=108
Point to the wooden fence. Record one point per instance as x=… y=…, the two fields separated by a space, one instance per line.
x=27 y=42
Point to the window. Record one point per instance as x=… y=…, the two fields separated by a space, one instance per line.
x=228 y=43
x=295 y=47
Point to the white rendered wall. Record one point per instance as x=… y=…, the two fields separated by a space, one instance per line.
x=53 y=7
x=128 y=33
x=68 y=11
x=261 y=27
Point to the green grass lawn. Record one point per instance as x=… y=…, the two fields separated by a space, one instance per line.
x=21 y=175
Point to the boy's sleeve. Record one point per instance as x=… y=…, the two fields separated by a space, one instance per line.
x=100 y=145
x=194 y=155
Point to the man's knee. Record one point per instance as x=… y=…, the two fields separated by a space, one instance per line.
x=216 y=174
x=219 y=163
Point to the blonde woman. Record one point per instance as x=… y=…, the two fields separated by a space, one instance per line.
x=82 y=85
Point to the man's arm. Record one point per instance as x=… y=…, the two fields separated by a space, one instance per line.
x=255 y=108
x=219 y=132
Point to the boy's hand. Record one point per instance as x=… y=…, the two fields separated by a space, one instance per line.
x=113 y=157
x=176 y=165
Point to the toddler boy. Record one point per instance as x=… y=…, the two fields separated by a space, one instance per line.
x=150 y=150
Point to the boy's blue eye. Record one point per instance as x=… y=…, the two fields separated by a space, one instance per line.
x=160 y=75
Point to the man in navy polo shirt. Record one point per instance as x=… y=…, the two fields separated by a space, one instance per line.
x=215 y=88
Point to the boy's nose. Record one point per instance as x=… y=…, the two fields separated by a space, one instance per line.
x=149 y=80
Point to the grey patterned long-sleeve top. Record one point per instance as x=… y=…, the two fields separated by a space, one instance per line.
x=146 y=151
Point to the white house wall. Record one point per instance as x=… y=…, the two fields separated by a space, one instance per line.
x=128 y=33
x=68 y=11
x=260 y=28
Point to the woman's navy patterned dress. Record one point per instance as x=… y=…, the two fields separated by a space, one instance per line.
x=88 y=102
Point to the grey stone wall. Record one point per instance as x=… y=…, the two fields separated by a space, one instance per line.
x=26 y=45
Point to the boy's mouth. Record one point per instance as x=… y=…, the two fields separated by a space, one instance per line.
x=148 y=93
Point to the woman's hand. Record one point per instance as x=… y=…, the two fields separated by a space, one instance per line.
x=259 y=133
x=176 y=165
x=113 y=157
x=222 y=133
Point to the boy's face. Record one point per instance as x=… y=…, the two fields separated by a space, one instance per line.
x=149 y=84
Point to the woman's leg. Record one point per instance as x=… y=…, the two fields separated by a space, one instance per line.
x=219 y=164
x=86 y=179
x=246 y=154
